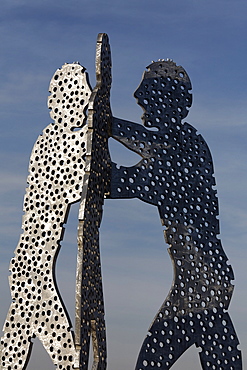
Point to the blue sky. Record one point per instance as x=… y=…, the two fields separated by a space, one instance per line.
x=208 y=38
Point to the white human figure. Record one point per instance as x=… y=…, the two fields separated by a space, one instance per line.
x=55 y=181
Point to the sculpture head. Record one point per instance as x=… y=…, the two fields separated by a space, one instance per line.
x=164 y=94
x=70 y=93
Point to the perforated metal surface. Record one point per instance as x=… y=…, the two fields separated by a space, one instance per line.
x=55 y=180
x=175 y=173
x=90 y=317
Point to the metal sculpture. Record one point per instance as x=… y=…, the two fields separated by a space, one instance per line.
x=89 y=297
x=56 y=172
x=176 y=174
x=70 y=162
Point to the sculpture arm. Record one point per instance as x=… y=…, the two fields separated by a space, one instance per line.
x=132 y=135
x=134 y=182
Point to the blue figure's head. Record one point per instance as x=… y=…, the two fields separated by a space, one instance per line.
x=164 y=94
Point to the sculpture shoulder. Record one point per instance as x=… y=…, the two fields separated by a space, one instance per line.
x=191 y=136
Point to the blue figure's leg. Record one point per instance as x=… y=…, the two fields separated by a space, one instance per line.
x=211 y=330
x=219 y=342
x=166 y=342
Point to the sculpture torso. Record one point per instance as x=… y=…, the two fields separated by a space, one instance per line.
x=176 y=174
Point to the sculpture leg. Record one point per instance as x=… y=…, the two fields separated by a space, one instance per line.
x=166 y=342
x=53 y=329
x=99 y=344
x=16 y=344
x=219 y=343
x=54 y=334
x=212 y=330
x=90 y=322
x=60 y=348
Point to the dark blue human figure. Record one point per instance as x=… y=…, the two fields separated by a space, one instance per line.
x=175 y=173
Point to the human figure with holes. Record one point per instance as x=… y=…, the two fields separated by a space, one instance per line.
x=175 y=173
x=56 y=172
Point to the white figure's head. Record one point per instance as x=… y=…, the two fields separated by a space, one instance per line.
x=70 y=92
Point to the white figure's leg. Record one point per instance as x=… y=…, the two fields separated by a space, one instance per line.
x=16 y=344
